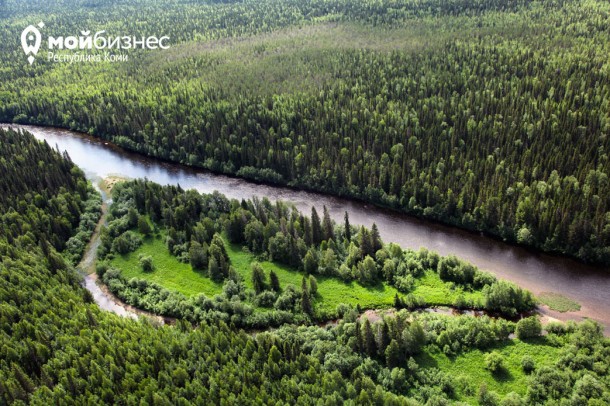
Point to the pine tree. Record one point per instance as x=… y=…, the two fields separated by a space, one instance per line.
x=398 y=304
x=392 y=354
x=313 y=285
x=376 y=244
x=358 y=333
x=369 y=339
x=214 y=271
x=310 y=262
x=307 y=232
x=383 y=338
x=275 y=281
x=366 y=247
x=198 y=256
x=258 y=278
x=306 y=298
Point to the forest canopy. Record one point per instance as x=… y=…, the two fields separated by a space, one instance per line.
x=488 y=115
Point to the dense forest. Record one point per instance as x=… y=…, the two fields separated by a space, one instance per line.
x=489 y=115
x=58 y=347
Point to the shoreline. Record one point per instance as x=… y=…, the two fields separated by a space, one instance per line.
x=304 y=188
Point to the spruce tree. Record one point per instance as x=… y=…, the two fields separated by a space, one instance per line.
x=275 y=282
x=316 y=227
x=347 y=232
x=258 y=278
x=327 y=226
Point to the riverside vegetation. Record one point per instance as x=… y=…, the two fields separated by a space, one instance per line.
x=458 y=111
x=59 y=347
x=268 y=264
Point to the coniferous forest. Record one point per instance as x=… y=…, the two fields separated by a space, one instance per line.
x=488 y=115
x=458 y=111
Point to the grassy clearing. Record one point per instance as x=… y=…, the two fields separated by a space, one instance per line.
x=468 y=372
x=169 y=272
x=331 y=291
x=558 y=302
x=175 y=275
x=438 y=293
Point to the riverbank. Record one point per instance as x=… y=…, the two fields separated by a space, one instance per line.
x=589 y=286
x=100 y=292
x=355 y=197
x=108 y=301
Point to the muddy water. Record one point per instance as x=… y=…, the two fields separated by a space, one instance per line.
x=590 y=286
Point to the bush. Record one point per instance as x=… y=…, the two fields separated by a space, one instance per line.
x=528 y=327
x=507 y=298
x=288 y=298
x=556 y=327
x=513 y=399
x=126 y=242
x=143 y=226
x=487 y=397
x=527 y=364
x=101 y=268
x=494 y=362
x=266 y=299
x=146 y=262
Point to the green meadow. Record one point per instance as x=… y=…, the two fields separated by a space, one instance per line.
x=468 y=368
x=174 y=275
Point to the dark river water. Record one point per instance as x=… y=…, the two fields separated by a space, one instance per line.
x=538 y=272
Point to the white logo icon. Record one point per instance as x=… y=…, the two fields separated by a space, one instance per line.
x=30 y=41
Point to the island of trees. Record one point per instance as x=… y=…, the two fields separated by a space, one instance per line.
x=225 y=242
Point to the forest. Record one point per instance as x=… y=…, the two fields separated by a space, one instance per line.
x=457 y=111
x=489 y=115
x=59 y=347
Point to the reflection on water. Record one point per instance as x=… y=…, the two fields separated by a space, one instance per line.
x=538 y=272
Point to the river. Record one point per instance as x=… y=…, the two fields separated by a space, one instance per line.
x=538 y=272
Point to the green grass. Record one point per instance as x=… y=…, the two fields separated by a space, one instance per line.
x=558 y=302
x=467 y=370
x=438 y=293
x=169 y=272
x=175 y=275
x=331 y=291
